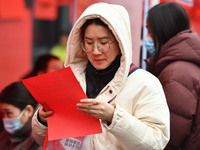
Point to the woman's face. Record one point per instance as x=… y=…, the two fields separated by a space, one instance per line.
x=11 y=111
x=148 y=29
x=97 y=33
x=53 y=65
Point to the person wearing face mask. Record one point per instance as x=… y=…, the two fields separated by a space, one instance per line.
x=17 y=107
x=177 y=65
x=149 y=45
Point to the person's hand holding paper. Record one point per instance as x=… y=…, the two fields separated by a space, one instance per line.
x=60 y=91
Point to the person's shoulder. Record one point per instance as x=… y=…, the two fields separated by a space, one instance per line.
x=4 y=137
x=55 y=48
x=143 y=77
x=3 y=133
x=146 y=84
x=142 y=74
x=58 y=50
x=180 y=70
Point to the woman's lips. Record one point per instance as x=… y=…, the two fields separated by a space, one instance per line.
x=98 y=60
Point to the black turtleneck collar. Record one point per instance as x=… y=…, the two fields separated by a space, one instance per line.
x=96 y=79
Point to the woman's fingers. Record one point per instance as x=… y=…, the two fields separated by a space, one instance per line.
x=43 y=114
x=96 y=108
x=91 y=101
x=88 y=105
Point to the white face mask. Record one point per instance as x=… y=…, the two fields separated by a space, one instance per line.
x=11 y=125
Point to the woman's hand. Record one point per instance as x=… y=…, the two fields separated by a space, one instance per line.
x=97 y=108
x=43 y=114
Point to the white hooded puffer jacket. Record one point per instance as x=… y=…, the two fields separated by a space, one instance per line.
x=141 y=117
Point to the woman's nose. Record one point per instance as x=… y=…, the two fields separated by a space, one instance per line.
x=96 y=49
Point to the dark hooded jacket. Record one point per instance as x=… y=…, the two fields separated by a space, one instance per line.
x=178 y=69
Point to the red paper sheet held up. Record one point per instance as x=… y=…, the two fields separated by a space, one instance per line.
x=60 y=91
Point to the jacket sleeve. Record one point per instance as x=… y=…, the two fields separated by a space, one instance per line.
x=180 y=81
x=183 y=111
x=38 y=130
x=148 y=125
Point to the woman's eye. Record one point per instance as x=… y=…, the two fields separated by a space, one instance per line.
x=103 y=43
x=9 y=113
x=89 y=43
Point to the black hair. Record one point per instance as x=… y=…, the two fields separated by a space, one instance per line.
x=41 y=64
x=18 y=95
x=165 y=20
x=96 y=21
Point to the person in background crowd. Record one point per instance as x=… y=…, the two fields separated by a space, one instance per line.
x=60 y=49
x=44 y=64
x=131 y=105
x=177 y=65
x=17 y=107
x=149 y=45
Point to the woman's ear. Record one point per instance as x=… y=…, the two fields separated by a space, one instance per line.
x=29 y=110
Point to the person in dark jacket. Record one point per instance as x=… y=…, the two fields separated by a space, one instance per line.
x=17 y=107
x=177 y=65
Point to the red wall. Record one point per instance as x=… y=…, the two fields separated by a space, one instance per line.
x=16 y=34
x=15 y=41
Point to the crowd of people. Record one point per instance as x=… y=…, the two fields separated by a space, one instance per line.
x=157 y=108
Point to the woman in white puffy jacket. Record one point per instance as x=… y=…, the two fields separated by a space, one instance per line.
x=130 y=104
